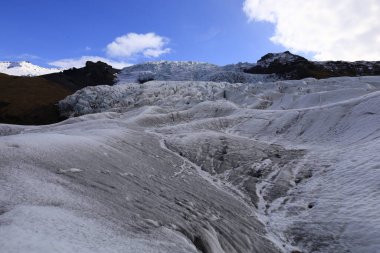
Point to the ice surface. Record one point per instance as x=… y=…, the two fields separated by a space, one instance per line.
x=198 y=166
x=189 y=71
x=125 y=194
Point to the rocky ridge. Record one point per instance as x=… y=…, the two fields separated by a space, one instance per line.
x=289 y=66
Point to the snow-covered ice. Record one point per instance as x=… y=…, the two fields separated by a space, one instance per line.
x=198 y=166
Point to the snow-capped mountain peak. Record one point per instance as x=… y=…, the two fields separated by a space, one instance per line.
x=25 y=68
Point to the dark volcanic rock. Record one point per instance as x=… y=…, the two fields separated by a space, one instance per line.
x=286 y=65
x=289 y=66
x=92 y=74
x=358 y=68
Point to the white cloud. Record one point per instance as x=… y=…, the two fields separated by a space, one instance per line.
x=122 y=50
x=331 y=30
x=81 y=62
x=133 y=44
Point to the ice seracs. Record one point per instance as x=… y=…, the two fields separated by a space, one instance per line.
x=189 y=71
x=24 y=68
x=279 y=95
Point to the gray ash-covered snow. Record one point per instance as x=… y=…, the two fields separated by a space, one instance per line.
x=198 y=166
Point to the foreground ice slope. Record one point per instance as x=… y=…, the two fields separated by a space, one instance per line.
x=303 y=154
x=198 y=167
x=105 y=184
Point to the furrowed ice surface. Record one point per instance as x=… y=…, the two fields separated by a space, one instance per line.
x=105 y=185
x=188 y=166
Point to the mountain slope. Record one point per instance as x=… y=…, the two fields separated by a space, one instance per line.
x=32 y=100
x=289 y=66
x=25 y=68
x=29 y=100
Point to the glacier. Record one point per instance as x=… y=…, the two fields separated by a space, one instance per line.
x=198 y=166
x=190 y=71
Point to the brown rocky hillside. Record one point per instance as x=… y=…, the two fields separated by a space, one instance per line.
x=32 y=100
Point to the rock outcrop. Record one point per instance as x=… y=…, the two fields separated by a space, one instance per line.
x=289 y=66
x=94 y=73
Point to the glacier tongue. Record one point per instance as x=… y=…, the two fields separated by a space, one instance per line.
x=199 y=166
x=189 y=71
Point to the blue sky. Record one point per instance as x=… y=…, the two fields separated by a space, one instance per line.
x=67 y=32
x=215 y=31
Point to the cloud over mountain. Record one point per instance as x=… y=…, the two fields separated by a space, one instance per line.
x=81 y=61
x=339 y=30
x=132 y=44
x=122 y=51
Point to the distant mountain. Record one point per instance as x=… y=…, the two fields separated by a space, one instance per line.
x=24 y=68
x=271 y=67
x=32 y=99
x=289 y=66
